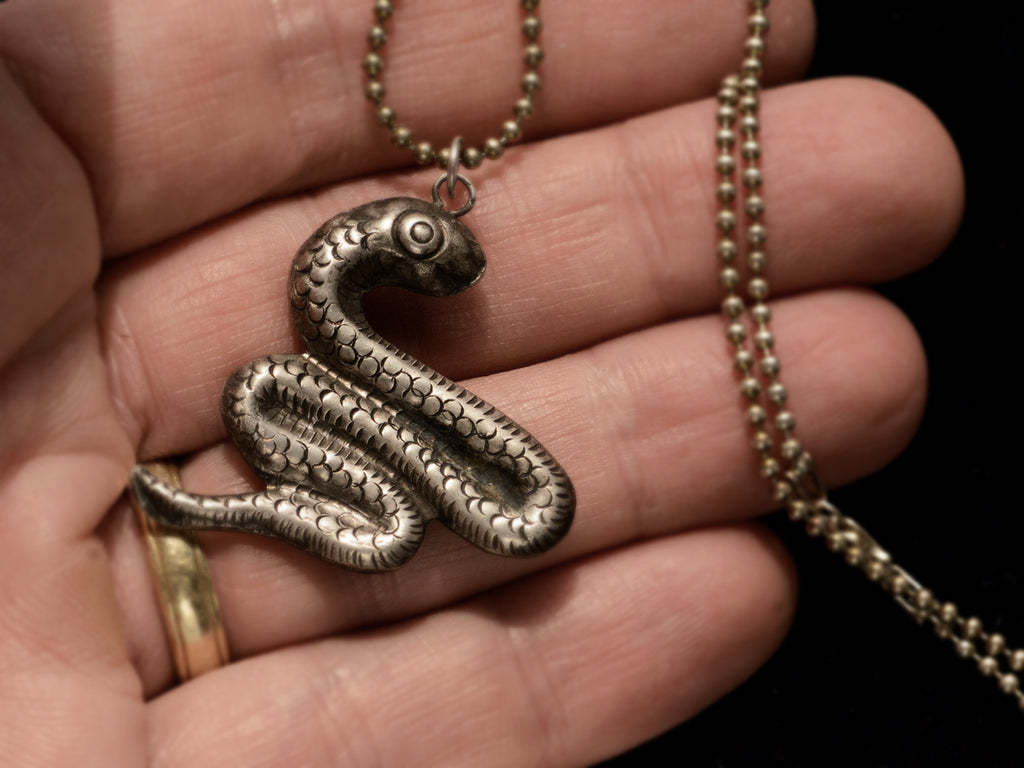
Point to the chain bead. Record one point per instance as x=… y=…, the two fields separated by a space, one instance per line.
x=372 y=64
x=425 y=153
x=777 y=394
x=472 y=157
x=791 y=449
x=756 y=261
x=761 y=441
x=815 y=525
x=964 y=648
x=764 y=340
x=758 y=289
x=493 y=147
x=743 y=360
x=797 y=510
x=782 y=491
x=874 y=570
x=785 y=422
x=531 y=27
x=1008 y=683
x=923 y=599
x=375 y=91
x=401 y=137
x=996 y=644
x=897 y=584
x=751 y=389
x=732 y=306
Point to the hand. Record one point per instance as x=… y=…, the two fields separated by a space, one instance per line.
x=160 y=165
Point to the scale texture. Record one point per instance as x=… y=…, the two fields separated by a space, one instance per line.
x=360 y=445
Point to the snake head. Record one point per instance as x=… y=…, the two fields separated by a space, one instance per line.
x=422 y=247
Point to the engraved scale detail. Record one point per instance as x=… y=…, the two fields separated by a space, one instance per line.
x=360 y=444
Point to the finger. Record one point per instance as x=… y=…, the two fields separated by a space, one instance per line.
x=651 y=429
x=579 y=256
x=40 y=273
x=565 y=668
x=184 y=110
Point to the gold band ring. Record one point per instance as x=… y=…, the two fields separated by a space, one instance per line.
x=184 y=591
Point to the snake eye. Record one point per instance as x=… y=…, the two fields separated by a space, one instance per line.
x=418 y=234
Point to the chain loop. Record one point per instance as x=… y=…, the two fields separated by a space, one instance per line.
x=423 y=151
x=783 y=462
x=454 y=153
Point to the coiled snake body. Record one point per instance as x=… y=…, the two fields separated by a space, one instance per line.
x=359 y=444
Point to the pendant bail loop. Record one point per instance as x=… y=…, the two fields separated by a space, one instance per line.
x=454 y=158
x=451 y=179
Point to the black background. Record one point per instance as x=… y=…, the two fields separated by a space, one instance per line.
x=858 y=683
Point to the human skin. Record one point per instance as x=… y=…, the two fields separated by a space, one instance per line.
x=159 y=166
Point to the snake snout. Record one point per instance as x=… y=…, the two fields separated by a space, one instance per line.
x=458 y=265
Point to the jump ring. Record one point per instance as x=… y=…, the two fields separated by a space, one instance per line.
x=470 y=189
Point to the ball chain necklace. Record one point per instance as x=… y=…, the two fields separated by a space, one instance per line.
x=784 y=463
x=359 y=444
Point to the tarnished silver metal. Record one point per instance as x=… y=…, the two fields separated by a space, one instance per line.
x=470 y=192
x=359 y=444
x=454 y=155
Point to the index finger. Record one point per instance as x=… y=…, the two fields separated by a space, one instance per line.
x=183 y=111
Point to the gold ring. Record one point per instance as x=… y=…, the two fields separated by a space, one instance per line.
x=184 y=590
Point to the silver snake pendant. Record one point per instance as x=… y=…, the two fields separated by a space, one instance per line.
x=359 y=444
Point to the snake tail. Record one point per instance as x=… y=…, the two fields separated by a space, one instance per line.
x=334 y=531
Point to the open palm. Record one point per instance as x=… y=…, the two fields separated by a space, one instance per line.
x=159 y=165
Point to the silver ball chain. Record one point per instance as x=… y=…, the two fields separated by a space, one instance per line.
x=423 y=151
x=784 y=463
